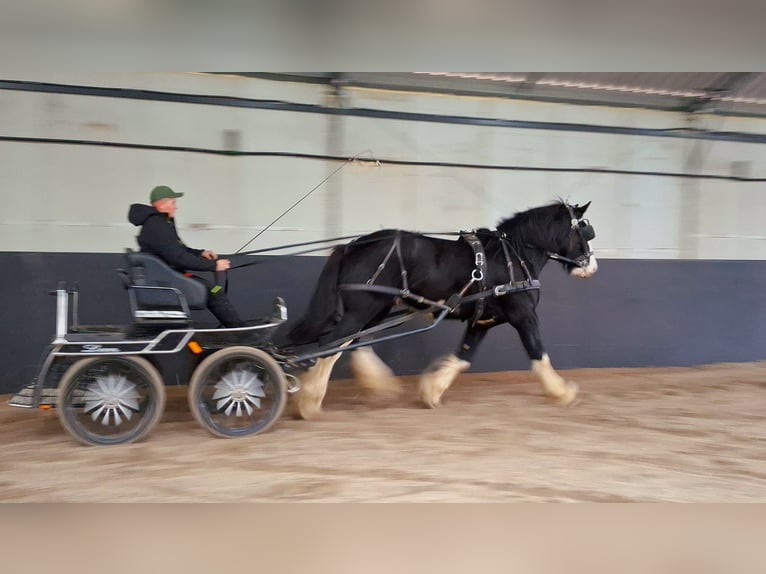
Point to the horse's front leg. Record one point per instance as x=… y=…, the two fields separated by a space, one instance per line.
x=442 y=372
x=555 y=386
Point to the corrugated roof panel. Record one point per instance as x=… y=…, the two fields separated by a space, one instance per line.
x=688 y=86
x=755 y=88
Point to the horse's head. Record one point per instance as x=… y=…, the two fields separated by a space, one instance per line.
x=559 y=231
x=573 y=238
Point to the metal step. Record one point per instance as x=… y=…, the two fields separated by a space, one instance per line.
x=25 y=397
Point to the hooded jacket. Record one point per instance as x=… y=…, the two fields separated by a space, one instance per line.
x=159 y=237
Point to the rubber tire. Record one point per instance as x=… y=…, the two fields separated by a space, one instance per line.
x=202 y=371
x=155 y=408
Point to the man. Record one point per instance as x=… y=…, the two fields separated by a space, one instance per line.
x=159 y=237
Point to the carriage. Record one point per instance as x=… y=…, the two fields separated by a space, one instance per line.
x=105 y=380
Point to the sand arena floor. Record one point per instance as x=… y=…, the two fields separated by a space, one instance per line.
x=682 y=434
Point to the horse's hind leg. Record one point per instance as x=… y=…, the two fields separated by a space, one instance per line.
x=358 y=312
x=555 y=386
x=369 y=371
x=309 y=398
x=442 y=372
x=372 y=374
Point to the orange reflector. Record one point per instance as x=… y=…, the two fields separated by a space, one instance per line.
x=45 y=407
x=194 y=347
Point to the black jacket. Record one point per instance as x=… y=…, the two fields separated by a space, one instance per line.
x=159 y=237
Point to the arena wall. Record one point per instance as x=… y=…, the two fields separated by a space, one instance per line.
x=682 y=268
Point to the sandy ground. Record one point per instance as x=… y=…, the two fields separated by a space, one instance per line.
x=696 y=435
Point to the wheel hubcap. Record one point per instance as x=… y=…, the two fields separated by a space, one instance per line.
x=238 y=392
x=112 y=399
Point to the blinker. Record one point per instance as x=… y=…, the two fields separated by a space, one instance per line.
x=586 y=231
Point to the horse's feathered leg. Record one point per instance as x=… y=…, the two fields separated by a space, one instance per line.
x=309 y=398
x=555 y=386
x=564 y=392
x=360 y=309
x=371 y=373
x=441 y=373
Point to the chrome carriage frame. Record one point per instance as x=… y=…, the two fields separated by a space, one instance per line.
x=105 y=381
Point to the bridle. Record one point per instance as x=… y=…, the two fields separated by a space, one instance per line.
x=581 y=230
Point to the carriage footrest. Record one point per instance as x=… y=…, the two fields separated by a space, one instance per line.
x=25 y=397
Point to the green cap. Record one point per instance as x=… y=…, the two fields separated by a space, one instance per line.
x=163 y=192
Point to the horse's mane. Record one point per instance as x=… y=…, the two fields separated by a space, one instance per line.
x=537 y=223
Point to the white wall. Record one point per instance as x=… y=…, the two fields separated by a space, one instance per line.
x=75 y=198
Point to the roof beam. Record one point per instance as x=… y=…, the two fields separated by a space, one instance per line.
x=726 y=85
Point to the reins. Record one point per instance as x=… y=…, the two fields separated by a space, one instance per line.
x=317 y=249
x=579 y=228
x=352 y=159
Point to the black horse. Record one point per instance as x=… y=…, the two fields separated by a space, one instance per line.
x=486 y=278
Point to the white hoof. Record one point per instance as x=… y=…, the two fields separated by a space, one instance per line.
x=308 y=408
x=430 y=397
x=570 y=396
x=438 y=378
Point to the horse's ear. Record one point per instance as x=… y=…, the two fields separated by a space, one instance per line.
x=581 y=209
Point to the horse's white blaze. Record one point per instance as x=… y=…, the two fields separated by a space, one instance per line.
x=438 y=377
x=371 y=373
x=314 y=386
x=552 y=382
x=587 y=271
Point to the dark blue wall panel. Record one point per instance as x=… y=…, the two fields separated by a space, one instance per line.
x=632 y=313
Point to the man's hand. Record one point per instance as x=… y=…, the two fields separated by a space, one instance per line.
x=207 y=254
x=222 y=264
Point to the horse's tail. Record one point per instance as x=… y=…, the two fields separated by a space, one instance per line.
x=323 y=306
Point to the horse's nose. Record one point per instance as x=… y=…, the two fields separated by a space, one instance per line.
x=587 y=270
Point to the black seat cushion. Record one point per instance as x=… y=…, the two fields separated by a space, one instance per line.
x=149 y=270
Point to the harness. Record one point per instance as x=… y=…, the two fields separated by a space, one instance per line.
x=478 y=274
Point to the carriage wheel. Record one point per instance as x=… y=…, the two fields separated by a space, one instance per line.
x=237 y=391
x=110 y=400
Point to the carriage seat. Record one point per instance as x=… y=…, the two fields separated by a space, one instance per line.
x=146 y=271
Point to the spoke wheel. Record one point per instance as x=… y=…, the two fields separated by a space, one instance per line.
x=110 y=400
x=237 y=391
